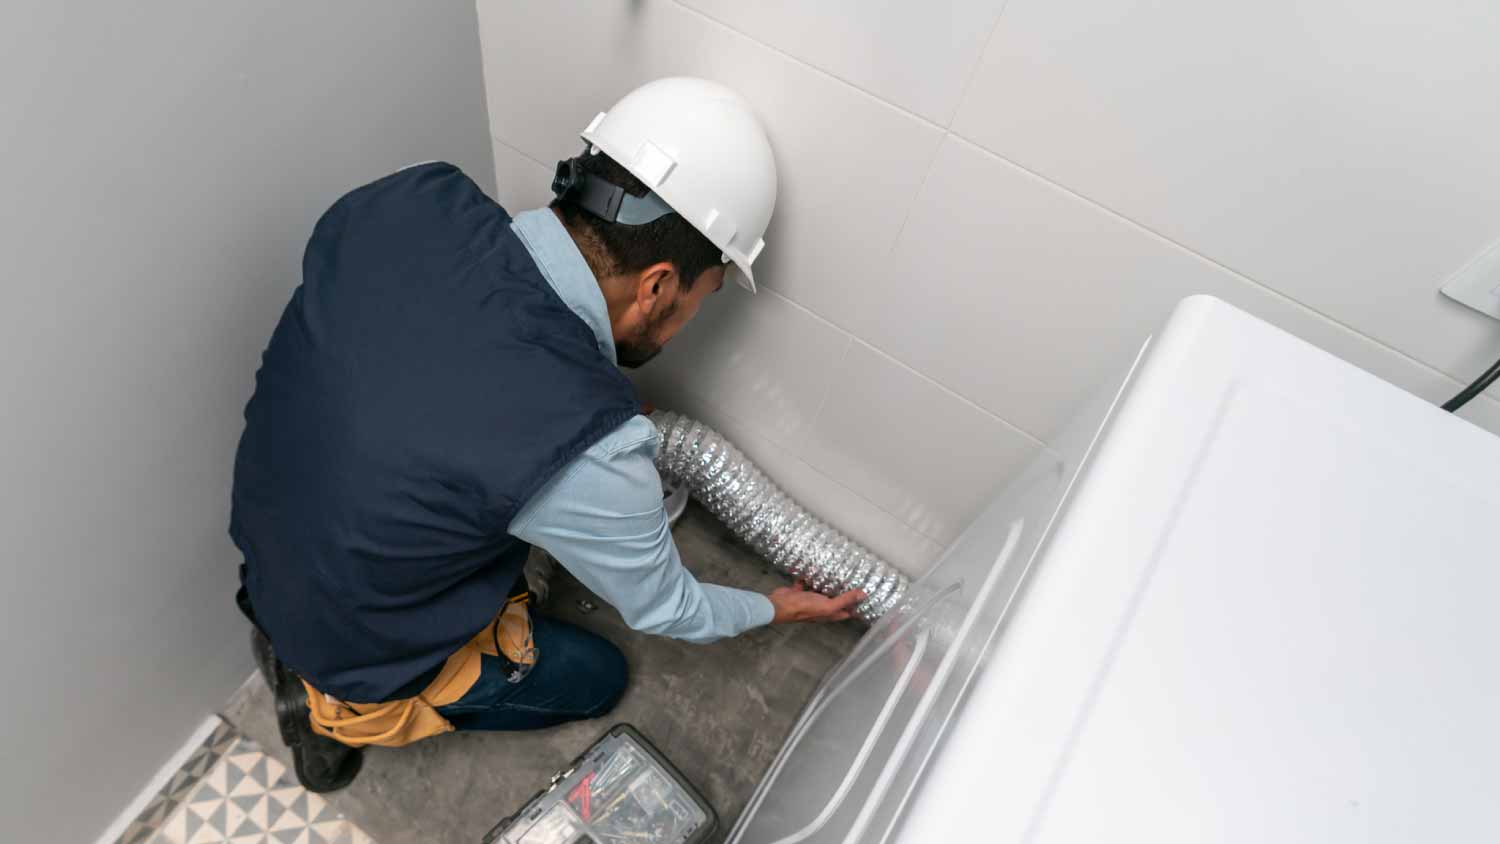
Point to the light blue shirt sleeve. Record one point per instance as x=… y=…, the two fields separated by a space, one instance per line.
x=602 y=518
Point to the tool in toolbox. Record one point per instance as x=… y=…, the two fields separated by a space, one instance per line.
x=622 y=790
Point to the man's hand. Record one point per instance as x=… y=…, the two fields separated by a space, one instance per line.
x=798 y=603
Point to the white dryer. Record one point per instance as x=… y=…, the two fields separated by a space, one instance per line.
x=1253 y=594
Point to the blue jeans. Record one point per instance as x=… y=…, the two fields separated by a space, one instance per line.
x=577 y=675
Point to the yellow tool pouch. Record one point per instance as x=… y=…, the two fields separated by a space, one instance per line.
x=401 y=722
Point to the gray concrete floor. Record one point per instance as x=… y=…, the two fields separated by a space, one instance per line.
x=720 y=712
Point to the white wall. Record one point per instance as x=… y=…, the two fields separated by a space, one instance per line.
x=983 y=214
x=161 y=165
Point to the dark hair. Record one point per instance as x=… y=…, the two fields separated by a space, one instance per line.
x=617 y=248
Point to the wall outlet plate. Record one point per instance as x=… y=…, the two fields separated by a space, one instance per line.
x=1478 y=283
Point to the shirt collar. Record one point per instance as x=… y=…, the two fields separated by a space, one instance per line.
x=561 y=263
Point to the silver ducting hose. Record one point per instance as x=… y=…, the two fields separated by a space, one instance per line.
x=740 y=495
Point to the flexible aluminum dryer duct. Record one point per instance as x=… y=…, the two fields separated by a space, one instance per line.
x=768 y=520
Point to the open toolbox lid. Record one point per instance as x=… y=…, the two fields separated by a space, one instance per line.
x=1247 y=597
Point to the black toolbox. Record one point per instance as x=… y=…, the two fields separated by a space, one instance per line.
x=621 y=790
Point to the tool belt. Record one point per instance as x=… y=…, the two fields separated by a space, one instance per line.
x=401 y=722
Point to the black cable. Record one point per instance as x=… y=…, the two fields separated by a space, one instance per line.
x=1473 y=389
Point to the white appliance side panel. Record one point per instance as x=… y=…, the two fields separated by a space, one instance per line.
x=849 y=766
x=1318 y=665
x=1265 y=614
x=834 y=771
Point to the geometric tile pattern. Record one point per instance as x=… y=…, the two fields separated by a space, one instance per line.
x=231 y=792
x=182 y=783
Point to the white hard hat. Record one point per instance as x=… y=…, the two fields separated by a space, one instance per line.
x=698 y=146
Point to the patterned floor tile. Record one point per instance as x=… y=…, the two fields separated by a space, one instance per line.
x=231 y=791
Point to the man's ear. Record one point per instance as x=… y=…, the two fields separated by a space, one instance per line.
x=655 y=286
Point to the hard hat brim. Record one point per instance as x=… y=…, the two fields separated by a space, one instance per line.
x=741 y=275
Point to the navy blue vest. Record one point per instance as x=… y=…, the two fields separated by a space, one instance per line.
x=423 y=383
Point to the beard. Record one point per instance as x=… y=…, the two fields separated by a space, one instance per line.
x=636 y=350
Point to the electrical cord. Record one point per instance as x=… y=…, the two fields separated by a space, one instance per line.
x=1473 y=389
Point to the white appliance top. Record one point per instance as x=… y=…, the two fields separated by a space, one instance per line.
x=1268 y=612
x=1260 y=603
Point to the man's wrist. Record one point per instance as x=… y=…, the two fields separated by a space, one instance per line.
x=764 y=612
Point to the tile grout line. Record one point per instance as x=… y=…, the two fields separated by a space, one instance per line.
x=707 y=402
x=855 y=338
x=812 y=67
x=983 y=150
x=517 y=150
x=937 y=150
x=924 y=376
x=963 y=92
x=838 y=367
x=940 y=384
x=1038 y=441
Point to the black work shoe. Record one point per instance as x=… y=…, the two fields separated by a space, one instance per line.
x=322 y=764
x=265 y=658
x=540 y=570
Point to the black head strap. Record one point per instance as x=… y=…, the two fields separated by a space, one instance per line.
x=607 y=201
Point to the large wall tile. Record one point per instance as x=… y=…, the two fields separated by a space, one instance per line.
x=849 y=164
x=912 y=447
x=759 y=357
x=520 y=183
x=845 y=509
x=1032 y=297
x=1022 y=283
x=916 y=55
x=1342 y=153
